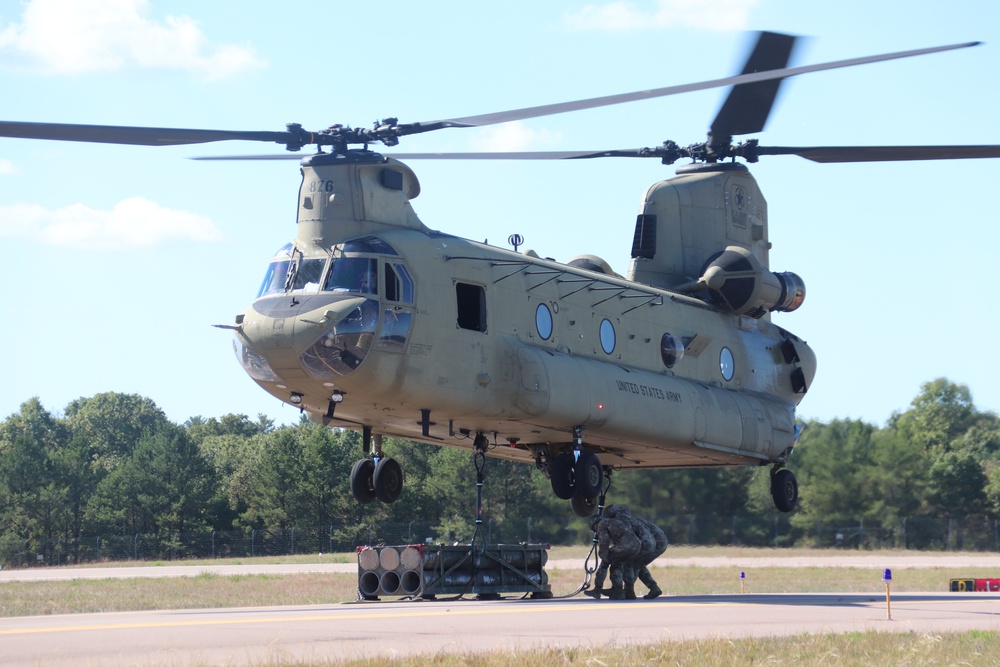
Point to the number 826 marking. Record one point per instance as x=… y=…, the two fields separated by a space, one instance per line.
x=321 y=186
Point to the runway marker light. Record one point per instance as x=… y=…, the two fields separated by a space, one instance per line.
x=743 y=578
x=887 y=578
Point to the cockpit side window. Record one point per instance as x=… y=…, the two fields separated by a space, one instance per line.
x=277 y=272
x=274 y=279
x=398 y=284
x=353 y=274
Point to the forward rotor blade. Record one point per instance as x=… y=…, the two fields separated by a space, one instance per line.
x=748 y=105
x=140 y=136
x=159 y=136
x=824 y=154
x=827 y=154
x=564 y=107
x=486 y=155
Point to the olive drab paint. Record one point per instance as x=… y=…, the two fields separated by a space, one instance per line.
x=598 y=366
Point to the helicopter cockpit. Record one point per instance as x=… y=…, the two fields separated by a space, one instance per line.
x=347 y=285
x=352 y=268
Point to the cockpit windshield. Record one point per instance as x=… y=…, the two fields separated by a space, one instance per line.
x=353 y=274
x=354 y=268
x=306 y=276
x=286 y=274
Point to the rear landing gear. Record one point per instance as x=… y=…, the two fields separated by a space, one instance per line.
x=784 y=489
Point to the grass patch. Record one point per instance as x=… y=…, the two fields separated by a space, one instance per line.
x=854 y=649
x=213 y=591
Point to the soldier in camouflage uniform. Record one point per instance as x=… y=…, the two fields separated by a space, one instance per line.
x=652 y=541
x=639 y=568
x=617 y=545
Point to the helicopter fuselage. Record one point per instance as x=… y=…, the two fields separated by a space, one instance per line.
x=443 y=338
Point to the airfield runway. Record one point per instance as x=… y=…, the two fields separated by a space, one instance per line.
x=341 y=631
x=254 y=636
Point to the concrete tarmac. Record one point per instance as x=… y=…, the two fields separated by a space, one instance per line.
x=341 y=631
x=392 y=628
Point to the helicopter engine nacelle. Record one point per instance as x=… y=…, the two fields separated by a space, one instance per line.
x=739 y=280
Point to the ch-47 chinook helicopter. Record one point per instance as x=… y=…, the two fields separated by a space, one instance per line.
x=371 y=320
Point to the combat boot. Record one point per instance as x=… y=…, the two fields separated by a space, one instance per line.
x=647 y=578
x=596 y=591
x=630 y=591
x=617 y=592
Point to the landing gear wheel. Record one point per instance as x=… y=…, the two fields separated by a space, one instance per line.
x=784 y=490
x=583 y=505
x=561 y=472
x=388 y=480
x=589 y=476
x=362 y=485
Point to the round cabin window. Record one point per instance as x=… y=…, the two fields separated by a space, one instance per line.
x=727 y=364
x=607 y=336
x=543 y=321
x=671 y=349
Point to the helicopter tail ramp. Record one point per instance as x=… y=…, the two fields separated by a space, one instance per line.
x=428 y=570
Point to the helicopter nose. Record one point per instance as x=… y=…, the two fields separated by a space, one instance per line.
x=340 y=348
x=325 y=337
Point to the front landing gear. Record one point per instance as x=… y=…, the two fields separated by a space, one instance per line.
x=577 y=479
x=784 y=489
x=577 y=476
x=377 y=477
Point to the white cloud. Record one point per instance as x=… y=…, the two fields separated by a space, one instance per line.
x=77 y=36
x=513 y=136
x=620 y=16
x=132 y=223
x=7 y=167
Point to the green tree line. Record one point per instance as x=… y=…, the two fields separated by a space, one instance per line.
x=113 y=464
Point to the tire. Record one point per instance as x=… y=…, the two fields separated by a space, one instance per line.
x=362 y=485
x=583 y=505
x=562 y=477
x=589 y=476
x=784 y=490
x=388 y=480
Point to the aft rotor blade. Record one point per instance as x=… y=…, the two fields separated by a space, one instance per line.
x=564 y=107
x=748 y=105
x=141 y=136
x=516 y=155
x=828 y=154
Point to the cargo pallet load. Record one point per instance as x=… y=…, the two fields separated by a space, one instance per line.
x=428 y=570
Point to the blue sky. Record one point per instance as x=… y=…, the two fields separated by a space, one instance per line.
x=120 y=258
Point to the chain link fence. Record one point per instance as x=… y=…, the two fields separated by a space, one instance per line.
x=965 y=534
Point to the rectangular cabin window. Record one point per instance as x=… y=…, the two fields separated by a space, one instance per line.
x=471 y=306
